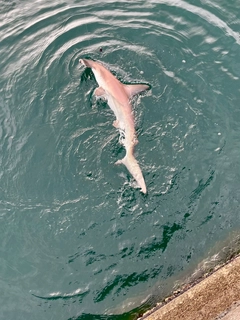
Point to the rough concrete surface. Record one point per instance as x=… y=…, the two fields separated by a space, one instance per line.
x=215 y=297
x=231 y=314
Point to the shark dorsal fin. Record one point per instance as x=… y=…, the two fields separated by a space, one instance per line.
x=133 y=89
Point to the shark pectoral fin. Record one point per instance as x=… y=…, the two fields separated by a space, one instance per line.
x=116 y=124
x=99 y=92
x=118 y=162
x=133 y=89
x=122 y=161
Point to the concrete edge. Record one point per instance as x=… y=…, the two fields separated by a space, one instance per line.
x=205 y=299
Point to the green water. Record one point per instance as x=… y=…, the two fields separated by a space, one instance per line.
x=78 y=240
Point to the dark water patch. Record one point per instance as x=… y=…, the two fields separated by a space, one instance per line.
x=200 y=188
x=125 y=316
x=156 y=245
x=123 y=282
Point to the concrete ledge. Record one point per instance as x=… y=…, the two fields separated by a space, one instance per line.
x=210 y=299
x=231 y=314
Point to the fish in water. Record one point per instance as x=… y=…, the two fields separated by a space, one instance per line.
x=118 y=96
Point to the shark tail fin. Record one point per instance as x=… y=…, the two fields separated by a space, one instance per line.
x=133 y=167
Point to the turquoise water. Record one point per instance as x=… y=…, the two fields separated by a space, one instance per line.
x=78 y=240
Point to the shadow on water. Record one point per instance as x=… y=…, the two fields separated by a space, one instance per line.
x=86 y=75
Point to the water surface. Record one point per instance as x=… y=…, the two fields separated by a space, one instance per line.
x=78 y=240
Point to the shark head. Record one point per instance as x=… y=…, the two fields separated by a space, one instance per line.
x=98 y=70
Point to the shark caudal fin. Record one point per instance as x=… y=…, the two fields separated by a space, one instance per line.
x=133 y=167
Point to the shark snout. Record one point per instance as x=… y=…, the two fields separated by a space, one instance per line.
x=82 y=61
x=86 y=62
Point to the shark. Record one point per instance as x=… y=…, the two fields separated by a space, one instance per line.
x=118 y=96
